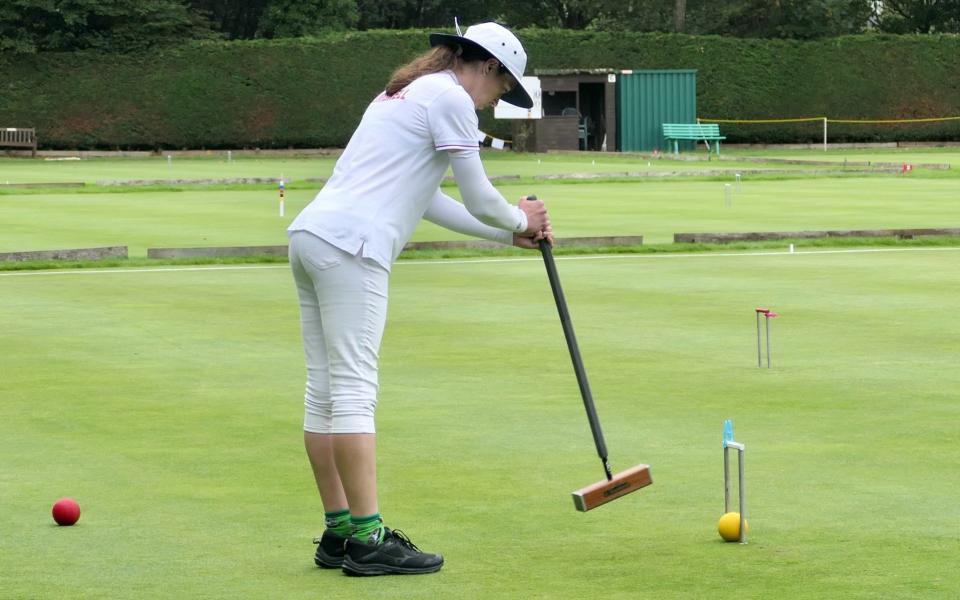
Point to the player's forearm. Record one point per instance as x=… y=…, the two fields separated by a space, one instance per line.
x=447 y=212
x=481 y=199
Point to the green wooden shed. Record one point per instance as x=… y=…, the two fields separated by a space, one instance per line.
x=646 y=99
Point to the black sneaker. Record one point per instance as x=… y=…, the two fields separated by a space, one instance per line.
x=330 y=550
x=395 y=556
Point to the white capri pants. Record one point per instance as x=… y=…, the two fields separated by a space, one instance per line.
x=343 y=310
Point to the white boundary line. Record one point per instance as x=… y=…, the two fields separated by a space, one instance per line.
x=624 y=256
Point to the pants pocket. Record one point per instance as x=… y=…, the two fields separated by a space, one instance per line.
x=320 y=263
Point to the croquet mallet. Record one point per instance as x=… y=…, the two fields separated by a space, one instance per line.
x=614 y=486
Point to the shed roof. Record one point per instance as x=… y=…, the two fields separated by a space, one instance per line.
x=564 y=72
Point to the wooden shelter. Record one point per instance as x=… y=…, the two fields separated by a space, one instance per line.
x=579 y=112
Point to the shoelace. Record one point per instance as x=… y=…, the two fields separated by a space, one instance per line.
x=402 y=537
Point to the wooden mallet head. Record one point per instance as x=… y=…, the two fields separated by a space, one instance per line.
x=607 y=490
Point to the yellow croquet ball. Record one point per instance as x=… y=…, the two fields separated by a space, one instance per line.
x=729 y=527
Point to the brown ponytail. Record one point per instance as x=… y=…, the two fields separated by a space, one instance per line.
x=436 y=60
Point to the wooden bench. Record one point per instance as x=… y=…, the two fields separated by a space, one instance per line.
x=698 y=132
x=19 y=138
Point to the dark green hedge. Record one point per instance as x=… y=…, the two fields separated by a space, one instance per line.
x=311 y=92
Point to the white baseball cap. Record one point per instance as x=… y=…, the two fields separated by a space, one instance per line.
x=502 y=45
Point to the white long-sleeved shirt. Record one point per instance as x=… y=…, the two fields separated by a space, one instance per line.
x=388 y=176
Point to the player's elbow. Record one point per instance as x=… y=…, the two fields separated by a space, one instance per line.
x=482 y=212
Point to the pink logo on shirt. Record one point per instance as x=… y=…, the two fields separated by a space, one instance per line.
x=383 y=97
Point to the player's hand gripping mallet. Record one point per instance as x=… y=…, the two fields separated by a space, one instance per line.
x=614 y=486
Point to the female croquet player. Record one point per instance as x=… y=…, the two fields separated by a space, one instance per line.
x=345 y=241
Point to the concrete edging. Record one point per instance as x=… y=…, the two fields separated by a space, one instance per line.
x=224 y=181
x=758 y=236
x=53 y=184
x=233 y=251
x=593 y=242
x=217 y=251
x=66 y=254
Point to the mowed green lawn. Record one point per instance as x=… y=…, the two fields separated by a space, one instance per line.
x=654 y=209
x=217 y=166
x=169 y=404
x=913 y=155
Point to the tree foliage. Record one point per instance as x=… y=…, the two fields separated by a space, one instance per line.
x=116 y=25
x=798 y=19
x=412 y=14
x=123 y=25
x=234 y=19
x=917 y=16
x=298 y=18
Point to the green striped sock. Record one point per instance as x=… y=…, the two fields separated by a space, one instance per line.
x=368 y=529
x=339 y=522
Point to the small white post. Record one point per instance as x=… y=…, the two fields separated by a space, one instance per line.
x=727 y=195
x=282 y=189
x=824 y=134
x=169 y=161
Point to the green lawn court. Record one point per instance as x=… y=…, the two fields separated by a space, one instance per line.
x=167 y=399
x=655 y=209
x=217 y=165
x=168 y=403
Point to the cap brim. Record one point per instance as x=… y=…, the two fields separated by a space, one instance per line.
x=449 y=39
x=518 y=96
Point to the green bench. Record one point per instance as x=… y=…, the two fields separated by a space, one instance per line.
x=698 y=132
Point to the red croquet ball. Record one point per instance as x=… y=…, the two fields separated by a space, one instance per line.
x=66 y=511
